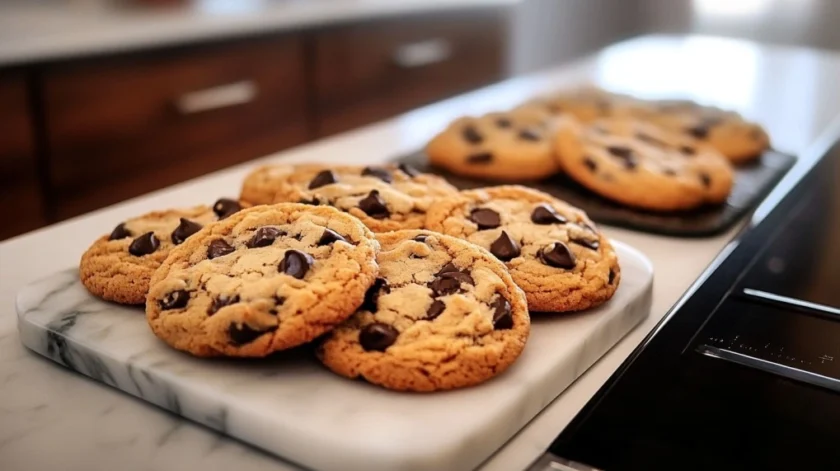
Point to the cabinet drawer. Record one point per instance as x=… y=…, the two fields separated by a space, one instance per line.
x=123 y=126
x=370 y=71
x=20 y=191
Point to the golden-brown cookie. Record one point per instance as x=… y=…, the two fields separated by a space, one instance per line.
x=443 y=314
x=118 y=267
x=385 y=198
x=552 y=250
x=265 y=279
x=586 y=104
x=643 y=166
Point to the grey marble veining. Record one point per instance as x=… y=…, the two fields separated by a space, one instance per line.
x=292 y=407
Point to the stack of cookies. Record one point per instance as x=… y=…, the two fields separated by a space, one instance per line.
x=652 y=155
x=394 y=275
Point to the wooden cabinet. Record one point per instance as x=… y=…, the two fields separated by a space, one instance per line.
x=123 y=126
x=370 y=71
x=20 y=190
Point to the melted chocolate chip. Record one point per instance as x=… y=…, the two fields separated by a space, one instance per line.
x=435 y=309
x=324 y=177
x=312 y=201
x=219 y=248
x=378 y=336
x=296 y=263
x=421 y=238
x=589 y=244
x=373 y=293
x=378 y=172
x=545 y=214
x=480 y=158
x=374 y=206
x=242 y=334
x=625 y=154
x=329 y=236
x=503 y=123
x=175 y=300
x=558 y=255
x=408 y=170
x=449 y=282
x=588 y=227
x=502 y=317
x=144 y=245
x=688 y=150
x=119 y=232
x=185 y=229
x=700 y=131
x=224 y=207
x=590 y=164
x=221 y=302
x=612 y=277
x=529 y=135
x=448 y=268
x=485 y=218
x=263 y=237
x=706 y=180
x=472 y=135
x=505 y=248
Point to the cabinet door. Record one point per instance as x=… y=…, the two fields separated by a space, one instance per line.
x=119 y=127
x=370 y=71
x=20 y=191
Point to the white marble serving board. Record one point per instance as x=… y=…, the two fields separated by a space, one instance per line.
x=291 y=406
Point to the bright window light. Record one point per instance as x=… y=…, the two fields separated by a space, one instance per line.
x=731 y=8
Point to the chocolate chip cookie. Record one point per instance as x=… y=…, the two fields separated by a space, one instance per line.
x=552 y=250
x=443 y=314
x=640 y=165
x=512 y=146
x=384 y=197
x=265 y=279
x=736 y=138
x=586 y=104
x=118 y=266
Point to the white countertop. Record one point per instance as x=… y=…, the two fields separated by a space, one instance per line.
x=54 y=419
x=32 y=31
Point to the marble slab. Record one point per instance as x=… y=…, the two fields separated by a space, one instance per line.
x=291 y=406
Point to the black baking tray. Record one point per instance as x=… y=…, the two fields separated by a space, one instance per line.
x=752 y=183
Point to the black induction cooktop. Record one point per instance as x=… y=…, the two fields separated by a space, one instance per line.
x=744 y=372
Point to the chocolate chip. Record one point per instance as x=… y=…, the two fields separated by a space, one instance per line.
x=263 y=237
x=296 y=263
x=222 y=301
x=243 y=333
x=378 y=336
x=649 y=139
x=503 y=123
x=688 y=150
x=312 y=201
x=612 y=277
x=589 y=244
x=373 y=293
x=472 y=135
x=144 y=245
x=435 y=309
x=409 y=170
x=119 y=232
x=378 y=172
x=329 y=236
x=588 y=227
x=450 y=282
x=590 y=164
x=224 y=207
x=706 y=180
x=625 y=154
x=421 y=238
x=502 y=317
x=185 y=229
x=485 y=218
x=558 y=255
x=480 y=158
x=448 y=268
x=504 y=248
x=219 y=248
x=545 y=214
x=374 y=206
x=529 y=135
x=700 y=131
x=175 y=300
x=324 y=177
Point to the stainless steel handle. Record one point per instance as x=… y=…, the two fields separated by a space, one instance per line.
x=422 y=53
x=223 y=96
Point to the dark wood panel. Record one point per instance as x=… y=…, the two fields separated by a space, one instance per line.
x=20 y=192
x=118 y=127
x=370 y=71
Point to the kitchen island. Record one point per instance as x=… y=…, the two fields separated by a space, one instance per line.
x=51 y=418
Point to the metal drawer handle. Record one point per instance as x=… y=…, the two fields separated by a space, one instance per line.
x=223 y=96
x=422 y=53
